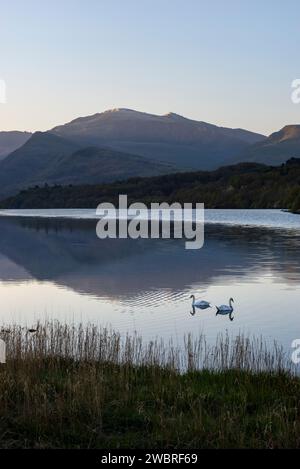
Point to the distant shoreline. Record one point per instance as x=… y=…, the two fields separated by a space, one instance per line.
x=242 y=186
x=272 y=219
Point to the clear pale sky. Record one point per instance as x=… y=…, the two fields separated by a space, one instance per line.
x=226 y=62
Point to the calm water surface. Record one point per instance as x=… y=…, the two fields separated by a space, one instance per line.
x=56 y=268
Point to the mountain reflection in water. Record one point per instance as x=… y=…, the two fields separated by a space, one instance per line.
x=258 y=266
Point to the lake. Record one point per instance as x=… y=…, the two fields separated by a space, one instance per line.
x=52 y=266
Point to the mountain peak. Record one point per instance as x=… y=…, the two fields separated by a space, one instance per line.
x=118 y=109
x=173 y=115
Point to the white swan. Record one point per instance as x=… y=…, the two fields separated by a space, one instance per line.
x=202 y=304
x=225 y=309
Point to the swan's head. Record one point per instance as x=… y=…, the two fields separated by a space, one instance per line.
x=192 y=296
x=232 y=300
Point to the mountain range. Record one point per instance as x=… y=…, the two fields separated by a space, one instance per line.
x=122 y=143
x=171 y=138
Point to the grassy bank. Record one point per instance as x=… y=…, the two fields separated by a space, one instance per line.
x=66 y=387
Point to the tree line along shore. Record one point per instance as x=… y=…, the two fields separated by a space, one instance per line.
x=243 y=186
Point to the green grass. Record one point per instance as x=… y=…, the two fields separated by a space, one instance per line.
x=84 y=388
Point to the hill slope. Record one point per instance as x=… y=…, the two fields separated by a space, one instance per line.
x=94 y=165
x=10 y=141
x=47 y=158
x=276 y=149
x=23 y=166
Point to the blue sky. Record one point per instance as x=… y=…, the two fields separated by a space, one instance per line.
x=226 y=62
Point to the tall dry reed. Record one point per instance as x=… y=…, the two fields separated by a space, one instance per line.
x=92 y=343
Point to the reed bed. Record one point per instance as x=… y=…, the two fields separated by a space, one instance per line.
x=85 y=387
x=103 y=345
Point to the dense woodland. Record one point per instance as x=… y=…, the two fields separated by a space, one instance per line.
x=246 y=185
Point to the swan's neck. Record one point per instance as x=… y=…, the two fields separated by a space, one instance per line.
x=230 y=303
